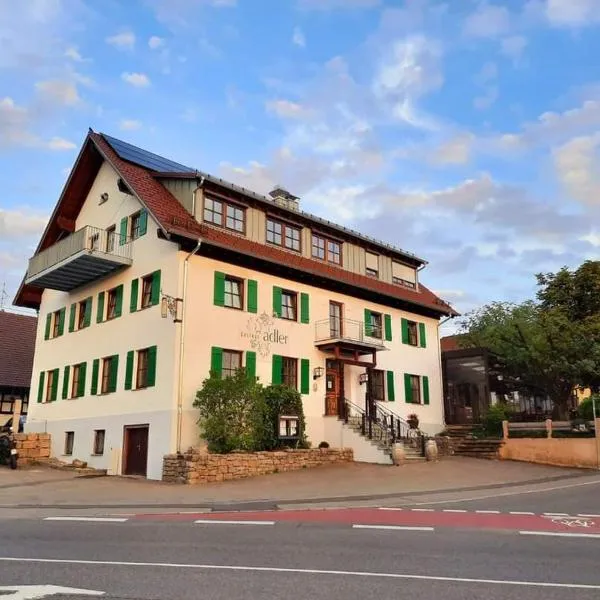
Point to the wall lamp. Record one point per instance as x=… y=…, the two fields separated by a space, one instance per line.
x=318 y=372
x=170 y=305
x=363 y=378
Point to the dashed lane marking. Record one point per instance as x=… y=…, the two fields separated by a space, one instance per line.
x=454 y=510
x=488 y=512
x=393 y=527
x=89 y=519
x=222 y=522
x=519 y=512
x=561 y=534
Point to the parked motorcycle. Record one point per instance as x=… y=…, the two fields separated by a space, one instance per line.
x=8 y=449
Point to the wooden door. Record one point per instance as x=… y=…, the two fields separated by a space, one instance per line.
x=136 y=450
x=332 y=389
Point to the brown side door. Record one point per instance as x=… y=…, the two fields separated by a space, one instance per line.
x=136 y=450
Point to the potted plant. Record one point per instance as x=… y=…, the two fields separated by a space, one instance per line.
x=413 y=421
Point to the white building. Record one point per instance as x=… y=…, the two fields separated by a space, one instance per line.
x=252 y=281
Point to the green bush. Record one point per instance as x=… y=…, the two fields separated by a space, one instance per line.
x=238 y=413
x=585 y=410
x=492 y=420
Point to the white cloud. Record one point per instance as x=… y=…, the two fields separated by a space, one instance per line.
x=455 y=151
x=298 y=38
x=61 y=92
x=487 y=98
x=16 y=223
x=74 y=55
x=14 y=124
x=577 y=165
x=337 y=4
x=58 y=143
x=287 y=109
x=513 y=47
x=129 y=124
x=488 y=21
x=124 y=40
x=572 y=13
x=156 y=42
x=136 y=79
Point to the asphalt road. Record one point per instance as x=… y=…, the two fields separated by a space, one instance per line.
x=185 y=560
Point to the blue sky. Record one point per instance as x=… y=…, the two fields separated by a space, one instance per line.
x=466 y=132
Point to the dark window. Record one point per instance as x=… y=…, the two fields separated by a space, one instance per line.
x=147 y=291
x=50 y=375
x=404 y=282
x=415 y=384
x=413 y=335
x=335 y=319
x=213 y=211
x=377 y=385
x=232 y=361
x=282 y=234
x=289 y=375
x=112 y=304
x=234 y=297
x=289 y=301
x=235 y=218
x=55 y=323
x=69 y=439
x=75 y=381
x=327 y=250
x=135 y=225
x=372 y=266
x=81 y=315
x=372 y=273
x=94 y=241
x=110 y=239
x=106 y=369
x=7 y=407
x=99 y=435
x=141 y=380
x=375 y=325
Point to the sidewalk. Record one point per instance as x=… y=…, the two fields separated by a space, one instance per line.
x=45 y=488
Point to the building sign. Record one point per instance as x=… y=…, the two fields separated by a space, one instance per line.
x=263 y=333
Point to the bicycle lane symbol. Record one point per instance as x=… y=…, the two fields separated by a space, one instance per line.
x=571 y=522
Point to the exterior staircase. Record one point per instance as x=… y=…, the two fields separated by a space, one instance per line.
x=464 y=442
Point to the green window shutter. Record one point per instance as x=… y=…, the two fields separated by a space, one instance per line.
x=143 y=222
x=219 y=291
x=61 y=321
x=388 y=328
x=72 y=318
x=252 y=296
x=155 y=296
x=152 y=352
x=425 y=389
x=54 y=391
x=407 y=388
x=391 y=392
x=95 y=369
x=129 y=370
x=304 y=308
x=216 y=361
x=114 y=370
x=48 y=325
x=65 y=388
x=81 y=382
x=305 y=376
x=87 y=318
x=41 y=387
x=251 y=364
x=277 y=301
x=405 y=336
x=123 y=231
x=422 y=339
x=276 y=374
x=100 y=311
x=119 y=301
x=368 y=328
x=133 y=300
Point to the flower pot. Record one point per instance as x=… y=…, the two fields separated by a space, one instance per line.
x=398 y=454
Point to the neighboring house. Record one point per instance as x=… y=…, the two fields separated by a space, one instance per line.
x=17 y=344
x=475 y=379
x=246 y=280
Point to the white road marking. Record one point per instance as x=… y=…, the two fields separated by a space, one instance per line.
x=217 y=522
x=407 y=576
x=556 y=514
x=31 y=592
x=421 y=509
x=518 y=512
x=488 y=512
x=589 y=516
x=454 y=510
x=561 y=534
x=389 y=508
x=393 y=527
x=90 y=519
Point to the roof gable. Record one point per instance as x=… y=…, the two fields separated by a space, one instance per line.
x=17 y=344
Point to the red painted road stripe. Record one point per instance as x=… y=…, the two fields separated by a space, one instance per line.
x=370 y=516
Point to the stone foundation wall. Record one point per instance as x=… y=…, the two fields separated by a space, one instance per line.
x=32 y=447
x=445 y=444
x=197 y=466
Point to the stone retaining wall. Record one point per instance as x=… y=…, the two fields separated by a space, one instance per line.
x=32 y=447
x=197 y=466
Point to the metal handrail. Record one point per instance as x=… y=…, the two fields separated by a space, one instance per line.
x=345 y=329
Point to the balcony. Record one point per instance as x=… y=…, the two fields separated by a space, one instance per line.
x=335 y=335
x=82 y=257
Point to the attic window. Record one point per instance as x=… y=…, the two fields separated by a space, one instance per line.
x=123 y=187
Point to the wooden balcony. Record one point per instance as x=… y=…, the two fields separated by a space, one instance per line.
x=86 y=255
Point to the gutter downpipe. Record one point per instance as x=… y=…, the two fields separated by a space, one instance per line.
x=183 y=323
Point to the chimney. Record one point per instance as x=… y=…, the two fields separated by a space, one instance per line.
x=283 y=198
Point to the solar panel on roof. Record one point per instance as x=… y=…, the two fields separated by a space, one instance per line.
x=144 y=158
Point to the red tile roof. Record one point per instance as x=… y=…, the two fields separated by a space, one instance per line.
x=451 y=342
x=17 y=343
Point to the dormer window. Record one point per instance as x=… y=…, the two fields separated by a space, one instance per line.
x=224 y=214
x=282 y=234
x=326 y=249
x=372 y=265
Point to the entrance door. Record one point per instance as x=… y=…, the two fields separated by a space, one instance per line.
x=334 y=388
x=335 y=320
x=135 y=450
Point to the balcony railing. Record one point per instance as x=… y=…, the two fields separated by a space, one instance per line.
x=334 y=330
x=82 y=257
